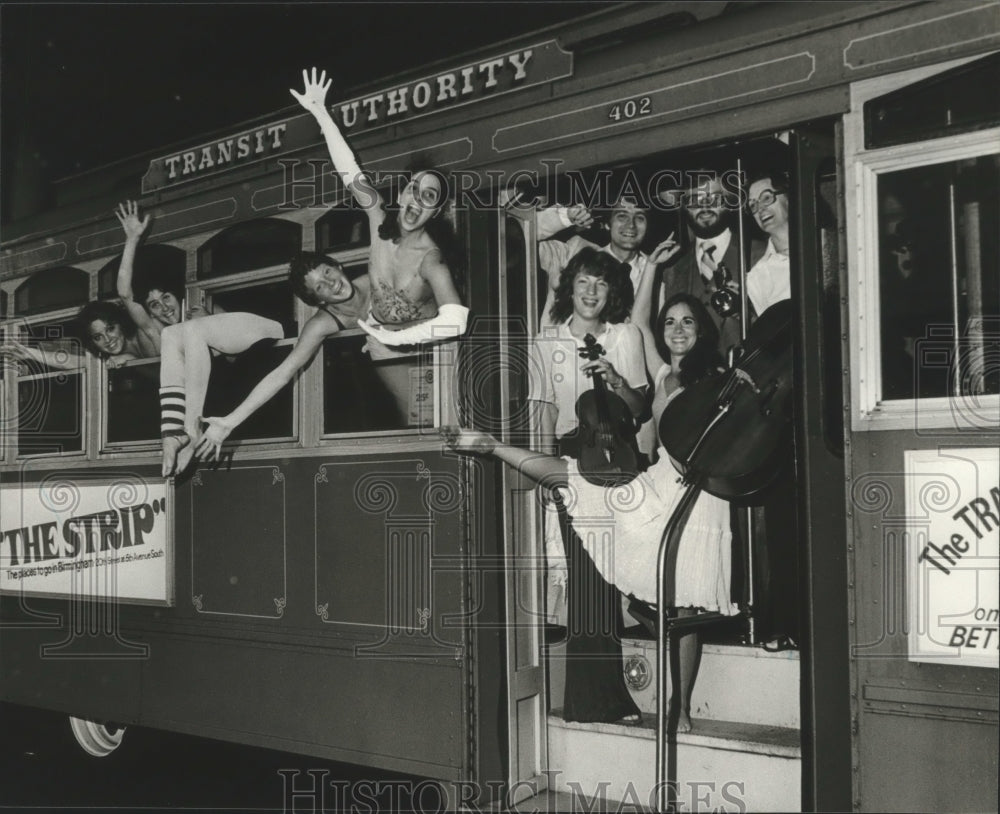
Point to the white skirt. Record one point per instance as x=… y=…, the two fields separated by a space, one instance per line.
x=621 y=529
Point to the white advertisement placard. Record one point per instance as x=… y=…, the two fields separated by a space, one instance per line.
x=953 y=524
x=109 y=538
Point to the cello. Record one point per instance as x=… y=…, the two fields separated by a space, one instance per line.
x=728 y=435
x=608 y=453
x=730 y=432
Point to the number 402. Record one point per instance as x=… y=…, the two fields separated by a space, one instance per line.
x=630 y=109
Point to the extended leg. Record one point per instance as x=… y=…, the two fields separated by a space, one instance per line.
x=172 y=397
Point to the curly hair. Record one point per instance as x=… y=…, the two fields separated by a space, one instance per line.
x=703 y=359
x=160 y=280
x=300 y=266
x=111 y=313
x=595 y=263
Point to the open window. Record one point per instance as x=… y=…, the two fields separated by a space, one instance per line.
x=928 y=198
x=50 y=387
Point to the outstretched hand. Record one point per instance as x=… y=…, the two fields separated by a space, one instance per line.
x=210 y=444
x=664 y=251
x=313 y=97
x=128 y=216
x=472 y=441
x=13 y=349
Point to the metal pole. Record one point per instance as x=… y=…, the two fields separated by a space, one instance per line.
x=668 y=545
x=747 y=511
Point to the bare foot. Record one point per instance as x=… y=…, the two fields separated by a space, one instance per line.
x=186 y=454
x=683 y=721
x=172 y=445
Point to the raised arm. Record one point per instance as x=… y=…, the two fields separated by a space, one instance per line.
x=319 y=327
x=313 y=99
x=128 y=216
x=643 y=305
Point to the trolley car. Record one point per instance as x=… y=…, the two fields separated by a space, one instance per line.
x=343 y=587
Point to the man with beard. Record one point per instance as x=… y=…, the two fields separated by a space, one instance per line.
x=710 y=210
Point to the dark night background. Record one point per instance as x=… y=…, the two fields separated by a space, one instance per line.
x=83 y=85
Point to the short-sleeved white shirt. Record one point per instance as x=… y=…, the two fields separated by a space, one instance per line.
x=555 y=375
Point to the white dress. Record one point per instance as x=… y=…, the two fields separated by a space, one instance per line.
x=621 y=529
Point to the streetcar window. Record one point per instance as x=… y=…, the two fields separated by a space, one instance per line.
x=341 y=229
x=247 y=246
x=273 y=300
x=50 y=391
x=957 y=101
x=132 y=403
x=939 y=278
x=233 y=378
x=364 y=395
x=51 y=289
x=156 y=265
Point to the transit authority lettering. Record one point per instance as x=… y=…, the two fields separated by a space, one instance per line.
x=228 y=151
x=435 y=91
x=88 y=533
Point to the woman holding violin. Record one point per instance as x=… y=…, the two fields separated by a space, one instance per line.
x=592 y=300
x=680 y=351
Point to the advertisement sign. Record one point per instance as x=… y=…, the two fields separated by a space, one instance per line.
x=953 y=520
x=108 y=538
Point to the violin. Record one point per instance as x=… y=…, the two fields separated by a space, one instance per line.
x=733 y=431
x=608 y=452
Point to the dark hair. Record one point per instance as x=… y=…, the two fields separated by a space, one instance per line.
x=438 y=227
x=598 y=264
x=300 y=266
x=703 y=359
x=110 y=313
x=779 y=179
x=168 y=282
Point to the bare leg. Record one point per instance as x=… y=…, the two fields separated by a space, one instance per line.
x=684 y=672
x=172 y=397
x=186 y=361
x=396 y=379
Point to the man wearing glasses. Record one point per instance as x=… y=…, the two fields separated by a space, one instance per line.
x=769 y=281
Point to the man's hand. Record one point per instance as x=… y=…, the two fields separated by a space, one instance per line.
x=664 y=251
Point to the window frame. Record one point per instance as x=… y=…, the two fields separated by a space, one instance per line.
x=444 y=358
x=12 y=439
x=868 y=411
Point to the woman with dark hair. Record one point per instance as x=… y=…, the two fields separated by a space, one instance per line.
x=413 y=296
x=106 y=330
x=593 y=296
x=682 y=349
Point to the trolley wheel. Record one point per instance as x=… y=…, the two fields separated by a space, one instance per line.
x=97 y=739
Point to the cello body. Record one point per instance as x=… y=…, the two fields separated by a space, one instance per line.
x=732 y=431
